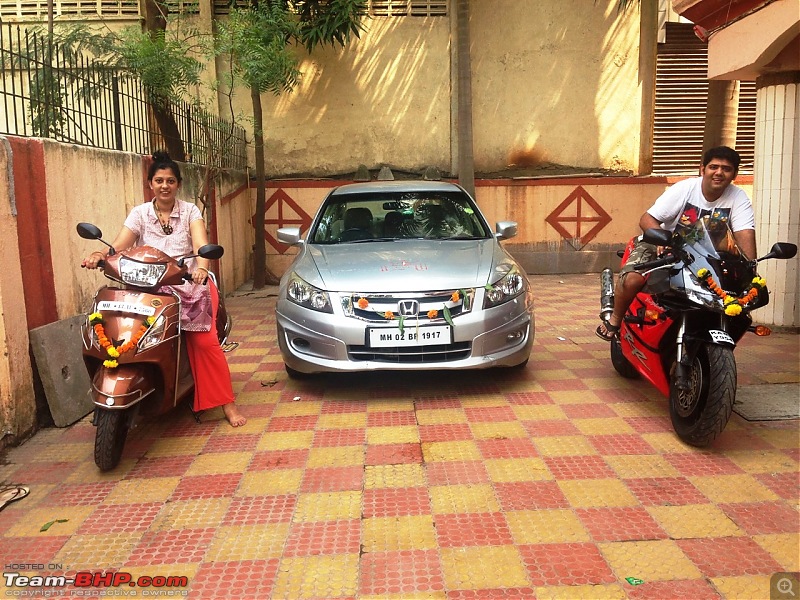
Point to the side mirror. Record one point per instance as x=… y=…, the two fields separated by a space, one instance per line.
x=657 y=237
x=289 y=235
x=211 y=251
x=782 y=250
x=505 y=230
x=89 y=232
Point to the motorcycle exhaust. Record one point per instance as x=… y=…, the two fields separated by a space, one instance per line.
x=606 y=294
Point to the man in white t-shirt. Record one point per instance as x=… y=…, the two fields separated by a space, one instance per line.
x=684 y=203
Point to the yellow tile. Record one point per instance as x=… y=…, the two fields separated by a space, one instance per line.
x=693 y=521
x=177 y=445
x=298 y=409
x=416 y=595
x=546 y=526
x=253 y=425
x=85 y=552
x=574 y=397
x=259 y=397
x=338 y=456
x=248 y=542
x=342 y=421
x=746 y=586
x=401 y=434
x=783 y=548
x=667 y=443
x=733 y=488
x=553 y=374
x=581 y=592
x=285 y=440
x=603 y=426
x=441 y=416
x=72 y=517
x=467 y=498
x=87 y=472
x=589 y=493
x=641 y=409
x=538 y=412
x=243 y=367
x=187 y=514
x=780 y=438
x=483 y=567
x=216 y=463
x=398 y=533
x=660 y=560
x=447 y=451
x=140 y=491
x=487 y=400
x=391 y=476
x=641 y=465
x=64 y=452
x=334 y=576
x=270 y=483
x=564 y=445
x=506 y=470
x=328 y=506
x=572 y=363
x=498 y=431
x=762 y=461
x=390 y=405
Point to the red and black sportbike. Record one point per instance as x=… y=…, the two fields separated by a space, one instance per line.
x=681 y=334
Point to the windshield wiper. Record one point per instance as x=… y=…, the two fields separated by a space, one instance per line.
x=383 y=239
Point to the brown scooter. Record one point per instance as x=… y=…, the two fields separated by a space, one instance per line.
x=132 y=343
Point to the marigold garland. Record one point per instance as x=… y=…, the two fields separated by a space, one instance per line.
x=432 y=314
x=733 y=306
x=96 y=321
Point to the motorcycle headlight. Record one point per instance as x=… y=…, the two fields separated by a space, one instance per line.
x=303 y=293
x=139 y=274
x=154 y=334
x=509 y=287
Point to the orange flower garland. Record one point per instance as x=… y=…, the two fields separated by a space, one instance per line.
x=733 y=305
x=96 y=320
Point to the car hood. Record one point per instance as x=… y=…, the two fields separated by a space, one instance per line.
x=400 y=265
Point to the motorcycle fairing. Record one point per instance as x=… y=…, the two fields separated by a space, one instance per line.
x=640 y=339
x=124 y=386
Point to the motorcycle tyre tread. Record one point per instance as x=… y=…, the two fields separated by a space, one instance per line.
x=718 y=404
x=620 y=363
x=109 y=441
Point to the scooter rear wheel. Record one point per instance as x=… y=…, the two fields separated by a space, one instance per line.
x=109 y=440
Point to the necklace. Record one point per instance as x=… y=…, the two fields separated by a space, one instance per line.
x=166 y=228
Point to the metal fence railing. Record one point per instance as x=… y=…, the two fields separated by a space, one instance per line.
x=47 y=92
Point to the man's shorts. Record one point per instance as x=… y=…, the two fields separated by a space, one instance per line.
x=642 y=252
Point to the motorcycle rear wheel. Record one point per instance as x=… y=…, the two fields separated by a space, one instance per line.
x=700 y=413
x=621 y=364
x=109 y=440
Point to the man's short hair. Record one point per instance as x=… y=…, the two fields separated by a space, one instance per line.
x=725 y=153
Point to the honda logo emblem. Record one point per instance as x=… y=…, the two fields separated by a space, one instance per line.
x=408 y=308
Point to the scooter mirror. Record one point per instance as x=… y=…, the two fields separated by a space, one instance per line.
x=211 y=251
x=89 y=232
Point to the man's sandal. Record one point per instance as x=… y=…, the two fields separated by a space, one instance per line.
x=12 y=493
x=606 y=331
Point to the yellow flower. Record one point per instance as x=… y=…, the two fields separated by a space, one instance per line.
x=733 y=309
x=150 y=320
x=111 y=364
x=728 y=300
x=702 y=272
x=95 y=317
x=759 y=282
x=455 y=297
x=112 y=352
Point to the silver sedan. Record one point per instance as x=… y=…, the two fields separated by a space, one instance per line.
x=402 y=275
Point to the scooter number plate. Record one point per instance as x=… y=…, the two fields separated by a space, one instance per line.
x=138 y=309
x=720 y=337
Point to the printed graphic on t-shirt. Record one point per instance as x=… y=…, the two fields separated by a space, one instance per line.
x=692 y=213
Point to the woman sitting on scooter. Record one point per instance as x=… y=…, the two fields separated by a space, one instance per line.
x=177 y=228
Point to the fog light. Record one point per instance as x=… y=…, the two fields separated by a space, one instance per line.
x=300 y=343
x=514 y=336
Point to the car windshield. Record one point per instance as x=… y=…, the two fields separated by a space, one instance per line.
x=388 y=216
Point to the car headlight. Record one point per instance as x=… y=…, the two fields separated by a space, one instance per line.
x=140 y=274
x=303 y=293
x=509 y=287
x=154 y=334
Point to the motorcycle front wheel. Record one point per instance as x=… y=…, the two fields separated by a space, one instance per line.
x=700 y=413
x=109 y=440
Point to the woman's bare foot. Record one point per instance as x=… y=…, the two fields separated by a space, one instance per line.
x=235 y=418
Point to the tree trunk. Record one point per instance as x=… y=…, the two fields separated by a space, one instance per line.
x=261 y=274
x=722 y=114
x=466 y=159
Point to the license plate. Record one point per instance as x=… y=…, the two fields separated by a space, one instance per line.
x=138 y=309
x=386 y=337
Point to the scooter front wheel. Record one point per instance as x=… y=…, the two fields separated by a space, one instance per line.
x=701 y=412
x=109 y=440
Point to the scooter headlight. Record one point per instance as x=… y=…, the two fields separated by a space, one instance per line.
x=154 y=334
x=509 y=287
x=303 y=293
x=140 y=274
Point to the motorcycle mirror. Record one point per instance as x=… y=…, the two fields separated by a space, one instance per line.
x=657 y=237
x=782 y=250
x=89 y=232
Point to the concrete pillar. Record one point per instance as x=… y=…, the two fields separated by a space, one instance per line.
x=776 y=190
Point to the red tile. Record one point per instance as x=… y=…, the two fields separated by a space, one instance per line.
x=257 y=411
x=393 y=502
x=324 y=537
x=786 y=485
x=702 y=464
x=626 y=394
x=620 y=444
x=550 y=427
x=343 y=407
x=435 y=401
x=234 y=579
x=197 y=487
x=529 y=398
x=121 y=518
x=491 y=414
x=588 y=411
x=465 y=384
x=40 y=550
x=279 y=459
x=620 y=524
x=232 y=442
x=447 y=472
x=391 y=418
x=729 y=556
x=472 y=529
x=448 y=432
x=763 y=517
x=394 y=454
x=649 y=424
x=257 y=510
x=78 y=433
x=307 y=393
x=296 y=423
x=172 y=547
x=507 y=448
x=43 y=472
x=565 y=564
x=585 y=466
x=666 y=491
x=79 y=494
x=332 y=479
x=410 y=572
x=530 y=495
x=166 y=466
x=563 y=385
x=696 y=589
x=330 y=438
x=189 y=427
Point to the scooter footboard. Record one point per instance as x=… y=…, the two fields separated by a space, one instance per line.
x=121 y=387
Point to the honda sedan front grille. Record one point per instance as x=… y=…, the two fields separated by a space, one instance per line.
x=412 y=354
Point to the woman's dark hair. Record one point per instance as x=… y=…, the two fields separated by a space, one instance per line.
x=161 y=160
x=725 y=153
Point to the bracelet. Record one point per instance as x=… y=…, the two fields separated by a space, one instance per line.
x=204 y=269
x=103 y=256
